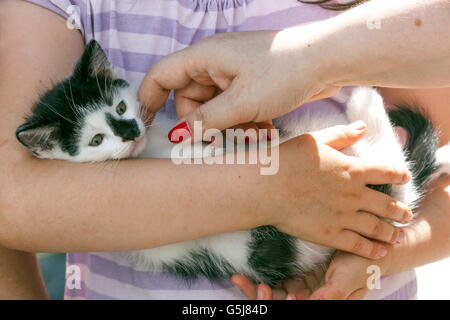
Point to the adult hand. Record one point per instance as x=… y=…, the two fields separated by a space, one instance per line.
x=346 y=279
x=237 y=78
x=291 y=289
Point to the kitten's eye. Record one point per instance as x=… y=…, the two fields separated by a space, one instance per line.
x=96 y=140
x=121 y=108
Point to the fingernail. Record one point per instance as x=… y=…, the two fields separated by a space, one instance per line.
x=407 y=178
x=400 y=237
x=260 y=294
x=409 y=217
x=382 y=252
x=179 y=133
x=358 y=126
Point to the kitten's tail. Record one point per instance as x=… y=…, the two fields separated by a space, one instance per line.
x=419 y=154
x=422 y=143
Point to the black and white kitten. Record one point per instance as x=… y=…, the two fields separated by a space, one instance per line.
x=94 y=116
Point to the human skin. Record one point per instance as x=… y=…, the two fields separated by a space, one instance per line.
x=143 y=186
x=427 y=237
x=346 y=278
x=89 y=216
x=360 y=56
x=265 y=74
x=64 y=230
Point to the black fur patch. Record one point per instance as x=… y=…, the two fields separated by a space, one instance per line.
x=272 y=255
x=201 y=262
x=385 y=188
x=126 y=129
x=422 y=143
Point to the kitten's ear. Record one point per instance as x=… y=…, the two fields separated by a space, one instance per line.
x=40 y=139
x=93 y=63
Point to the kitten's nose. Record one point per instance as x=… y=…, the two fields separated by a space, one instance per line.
x=130 y=134
x=128 y=130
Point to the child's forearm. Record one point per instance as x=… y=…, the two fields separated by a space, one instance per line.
x=427 y=238
x=60 y=206
x=132 y=204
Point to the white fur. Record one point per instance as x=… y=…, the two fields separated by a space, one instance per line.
x=443 y=161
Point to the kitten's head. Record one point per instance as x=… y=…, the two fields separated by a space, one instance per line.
x=90 y=116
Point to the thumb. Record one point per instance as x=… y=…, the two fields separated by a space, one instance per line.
x=219 y=113
x=341 y=136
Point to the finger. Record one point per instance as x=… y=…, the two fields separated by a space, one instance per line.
x=169 y=73
x=297 y=288
x=279 y=294
x=253 y=131
x=311 y=282
x=223 y=111
x=191 y=97
x=352 y=242
x=247 y=287
x=385 y=206
x=264 y=292
x=331 y=291
x=358 y=294
x=374 y=173
x=340 y=137
x=319 y=273
x=331 y=91
x=267 y=128
x=249 y=132
x=339 y=286
x=372 y=227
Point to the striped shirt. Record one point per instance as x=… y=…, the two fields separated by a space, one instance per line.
x=135 y=34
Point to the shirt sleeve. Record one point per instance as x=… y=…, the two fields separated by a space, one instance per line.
x=74 y=11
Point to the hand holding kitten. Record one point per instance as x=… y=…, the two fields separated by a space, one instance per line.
x=320 y=194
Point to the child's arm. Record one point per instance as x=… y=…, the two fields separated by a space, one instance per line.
x=427 y=240
x=60 y=206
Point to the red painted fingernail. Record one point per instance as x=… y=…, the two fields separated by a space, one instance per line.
x=179 y=133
